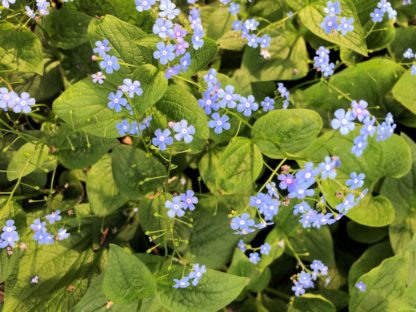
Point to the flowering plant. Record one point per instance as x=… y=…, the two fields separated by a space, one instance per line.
x=161 y=155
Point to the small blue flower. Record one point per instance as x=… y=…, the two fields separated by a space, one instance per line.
x=219 y=123
x=189 y=200
x=329 y=24
x=172 y=71
x=109 y=64
x=62 y=234
x=265 y=249
x=368 y=128
x=234 y=8
x=23 y=103
x=328 y=168
x=300 y=189
x=124 y=127
x=360 y=144
x=264 y=41
x=181 y=46
x=259 y=200
x=247 y=105
x=409 y=54
x=254 y=257
x=272 y=190
x=209 y=102
x=285 y=180
x=377 y=15
x=43 y=237
x=175 y=207
x=37 y=225
x=305 y=279
x=413 y=70
x=9 y=236
x=164 y=53
x=211 y=78
x=347 y=204
x=228 y=97
x=242 y=224
x=197 y=38
x=197 y=273
x=182 y=283
x=346 y=25
x=333 y=9
x=162 y=139
x=319 y=268
x=251 y=24
x=252 y=40
x=359 y=109
x=267 y=104
x=355 y=181
x=53 y=217
x=131 y=87
x=301 y=208
x=163 y=28
x=241 y=245
x=298 y=289
x=168 y=9
x=343 y=121
x=185 y=61
x=98 y=77
x=116 y=101
x=183 y=131
x=144 y=5
x=360 y=286
x=321 y=219
x=102 y=47
x=6 y=3
x=308 y=173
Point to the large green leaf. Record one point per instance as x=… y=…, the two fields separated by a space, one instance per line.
x=288 y=57
x=401 y=192
x=20 y=49
x=401 y=91
x=64 y=34
x=126 y=278
x=26 y=160
x=281 y=133
x=312 y=16
x=103 y=194
x=178 y=104
x=135 y=173
x=240 y=165
x=214 y=291
x=404 y=39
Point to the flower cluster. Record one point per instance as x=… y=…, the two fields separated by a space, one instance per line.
x=383 y=7
x=10 y=100
x=108 y=62
x=333 y=22
x=344 y=121
x=305 y=279
x=194 y=277
x=409 y=54
x=180 y=203
x=132 y=127
x=129 y=88
x=284 y=93
x=243 y=224
x=255 y=257
x=183 y=132
x=41 y=234
x=9 y=236
x=322 y=63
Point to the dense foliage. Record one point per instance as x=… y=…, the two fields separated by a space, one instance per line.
x=207 y=155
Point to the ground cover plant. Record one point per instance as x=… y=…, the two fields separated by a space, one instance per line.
x=207 y=155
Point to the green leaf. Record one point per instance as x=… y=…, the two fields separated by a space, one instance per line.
x=219 y=22
x=67 y=29
x=154 y=85
x=371 y=80
x=401 y=192
x=365 y=234
x=401 y=91
x=404 y=38
x=20 y=49
x=313 y=15
x=77 y=150
x=126 y=278
x=386 y=285
x=311 y=303
x=209 y=169
x=201 y=57
x=93 y=116
x=103 y=194
x=26 y=160
x=373 y=211
x=214 y=291
x=280 y=133
x=288 y=57
x=178 y=104
x=136 y=173
x=240 y=165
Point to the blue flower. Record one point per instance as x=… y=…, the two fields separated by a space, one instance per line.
x=302 y=207
x=328 y=168
x=359 y=109
x=211 y=78
x=355 y=181
x=53 y=217
x=124 y=127
x=98 y=77
x=285 y=180
x=347 y=204
x=318 y=268
x=144 y=5
x=320 y=219
x=102 y=47
x=178 y=32
x=37 y=225
x=163 y=28
x=183 y=131
x=172 y=71
x=182 y=283
x=131 y=87
x=298 y=289
x=409 y=54
x=360 y=144
x=197 y=273
x=308 y=173
x=267 y=104
x=219 y=123
x=264 y=41
x=346 y=25
x=242 y=224
x=116 y=101
x=164 y=53
x=265 y=249
x=252 y=40
x=300 y=189
x=23 y=103
x=377 y=15
x=6 y=3
x=237 y=25
x=175 y=207
x=62 y=234
x=333 y=9
x=189 y=200
x=43 y=237
x=185 y=61
x=272 y=190
x=343 y=121
x=241 y=245
x=234 y=8
x=308 y=218
x=259 y=200
x=209 y=102
x=247 y=105
x=413 y=70
x=109 y=64
x=228 y=97
x=329 y=24
x=305 y=279
x=254 y=257
x=162 y=139
x=197 y=38
x=360 y=286
x=251 y=24
x=9 y=236
x=168 y=9
x=321 y=62
x=180 y=48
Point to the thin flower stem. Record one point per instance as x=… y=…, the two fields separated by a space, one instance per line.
x=273 y=174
